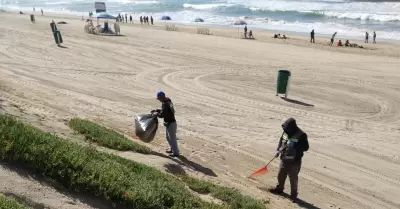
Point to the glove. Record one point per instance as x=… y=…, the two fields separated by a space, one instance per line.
x=277 y=154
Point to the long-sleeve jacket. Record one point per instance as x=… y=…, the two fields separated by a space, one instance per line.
x=292 y=138
x=167 y=112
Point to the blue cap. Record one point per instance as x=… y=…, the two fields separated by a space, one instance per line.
x=160 y=94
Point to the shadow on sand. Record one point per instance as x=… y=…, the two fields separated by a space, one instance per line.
x=301 y=203
x=175 y=169
x=297 y=102
x=182 y=160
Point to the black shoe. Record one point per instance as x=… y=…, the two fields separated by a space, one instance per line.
x=275 y=191
x=168 y=151
x=173 y=155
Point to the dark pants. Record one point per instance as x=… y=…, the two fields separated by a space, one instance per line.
x=292 y=170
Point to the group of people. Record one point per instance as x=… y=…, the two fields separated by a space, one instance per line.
x=278 y=36
x=142 y=19
x=312 y=40
x=120 y=18
x=367 y=37
x=123 y=18
x=248 y=35
x=145 y=19
x=347 y=43
x=291 y=146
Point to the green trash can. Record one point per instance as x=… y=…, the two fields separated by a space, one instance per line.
x=282 y=85
x=53 y=27
x=33 y=18
x=57 y=37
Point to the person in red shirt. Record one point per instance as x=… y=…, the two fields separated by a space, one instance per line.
x=339 y=43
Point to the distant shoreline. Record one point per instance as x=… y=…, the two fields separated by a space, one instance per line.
x=262 y=35
x=325 y=37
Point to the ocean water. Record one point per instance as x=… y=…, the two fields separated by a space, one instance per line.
x=350 y=18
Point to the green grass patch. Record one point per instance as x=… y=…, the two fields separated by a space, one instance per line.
x=106 y=137
x=229 y=195
x=122 y=181
x=84 y=169
x=10 y=203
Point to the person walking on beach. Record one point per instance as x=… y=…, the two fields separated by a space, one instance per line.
x=141 y=20
x=374 y=37
x=333 y=38
x=366 y=37
x=312 y=40
x=41 y=10
x=130 y=18
x=151 y=19
x=167 y=112
x=291 y=147
x=126 y=18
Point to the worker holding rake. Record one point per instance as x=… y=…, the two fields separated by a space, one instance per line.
x=292 y=144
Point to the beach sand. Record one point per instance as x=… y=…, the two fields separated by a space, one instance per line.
x=223 y=89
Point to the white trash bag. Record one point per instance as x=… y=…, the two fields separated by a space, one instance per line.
x=146 y=126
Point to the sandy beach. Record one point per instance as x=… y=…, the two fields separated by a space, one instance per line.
x=223 y=89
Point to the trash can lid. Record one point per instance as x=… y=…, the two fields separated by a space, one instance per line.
x=285 y=71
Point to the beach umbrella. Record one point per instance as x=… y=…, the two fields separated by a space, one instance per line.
x=104 y=15
x=165 y=17
x=198 y=19
x=239 y=22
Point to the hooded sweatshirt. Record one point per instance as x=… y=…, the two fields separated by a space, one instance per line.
x=292 y=131
x=167 y=112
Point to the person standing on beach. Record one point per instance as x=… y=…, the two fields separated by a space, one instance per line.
x=292 y=145
x=312 y=40
x=366 y=37
x=41 y=10
x=141 y=20
x=333 y=38
x=126 y=18
x=374 y=37
x=151 y=19
x=130 y=18
x=167 y=112
x=245 y=31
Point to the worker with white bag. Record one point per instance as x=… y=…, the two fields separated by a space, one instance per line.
x=167 y=112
